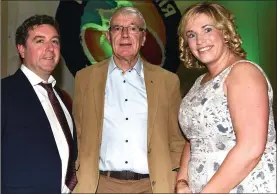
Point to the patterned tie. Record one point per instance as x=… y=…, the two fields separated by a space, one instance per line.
x=70 y=178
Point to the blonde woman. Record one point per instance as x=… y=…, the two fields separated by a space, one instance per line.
x=227 y=114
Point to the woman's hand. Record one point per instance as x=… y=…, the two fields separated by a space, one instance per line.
x=182 y=187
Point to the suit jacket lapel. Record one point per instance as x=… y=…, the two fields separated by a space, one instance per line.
x=152 y=89
x=99 y=79
x=30 y=98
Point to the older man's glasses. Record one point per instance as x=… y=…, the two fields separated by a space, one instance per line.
x=133 y=29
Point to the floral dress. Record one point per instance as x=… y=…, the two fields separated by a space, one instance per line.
x=205 y=120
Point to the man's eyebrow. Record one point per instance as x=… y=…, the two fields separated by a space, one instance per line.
x=57 y=37
x=131 y=24
x=39 y=36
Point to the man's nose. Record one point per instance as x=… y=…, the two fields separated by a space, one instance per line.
x=125 y=32
x=50 y=46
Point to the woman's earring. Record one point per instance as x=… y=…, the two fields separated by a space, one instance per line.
x=225 y=38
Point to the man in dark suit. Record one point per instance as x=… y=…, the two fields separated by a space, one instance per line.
x=38 y=149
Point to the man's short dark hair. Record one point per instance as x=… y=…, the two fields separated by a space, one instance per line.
x=22 y=31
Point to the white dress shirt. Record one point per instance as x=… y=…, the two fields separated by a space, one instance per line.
x=124 y=136
x=53 y=120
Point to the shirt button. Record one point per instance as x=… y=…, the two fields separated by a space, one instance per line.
x=124 y=81
x=126 y=100
x=126 y=140
x=126 y=118
x=126 y=162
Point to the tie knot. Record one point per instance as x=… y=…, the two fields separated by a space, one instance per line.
x=48 y=87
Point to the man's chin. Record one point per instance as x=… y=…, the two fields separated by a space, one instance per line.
x=49 y=69
x=128 y=57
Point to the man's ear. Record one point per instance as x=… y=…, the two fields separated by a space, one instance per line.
x=143 y=39
x=108 y=37
x=21 y=50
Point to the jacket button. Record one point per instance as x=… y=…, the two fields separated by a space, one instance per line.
x=153 y=182
x=149 y=151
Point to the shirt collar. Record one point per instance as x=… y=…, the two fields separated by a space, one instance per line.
x=34 y=78
x=138 y=66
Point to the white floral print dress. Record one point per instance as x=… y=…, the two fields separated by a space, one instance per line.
x=205 y=120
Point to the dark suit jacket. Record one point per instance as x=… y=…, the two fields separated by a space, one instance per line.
x=29 y=154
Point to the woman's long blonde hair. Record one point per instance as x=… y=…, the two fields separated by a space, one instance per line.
x=223 y=20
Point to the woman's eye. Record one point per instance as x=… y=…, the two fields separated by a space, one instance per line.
x=208 y=29
x=191 y=35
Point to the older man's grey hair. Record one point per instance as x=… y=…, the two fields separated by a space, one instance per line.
x=126 y=10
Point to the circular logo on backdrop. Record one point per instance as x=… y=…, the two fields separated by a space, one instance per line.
x=83 y=26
